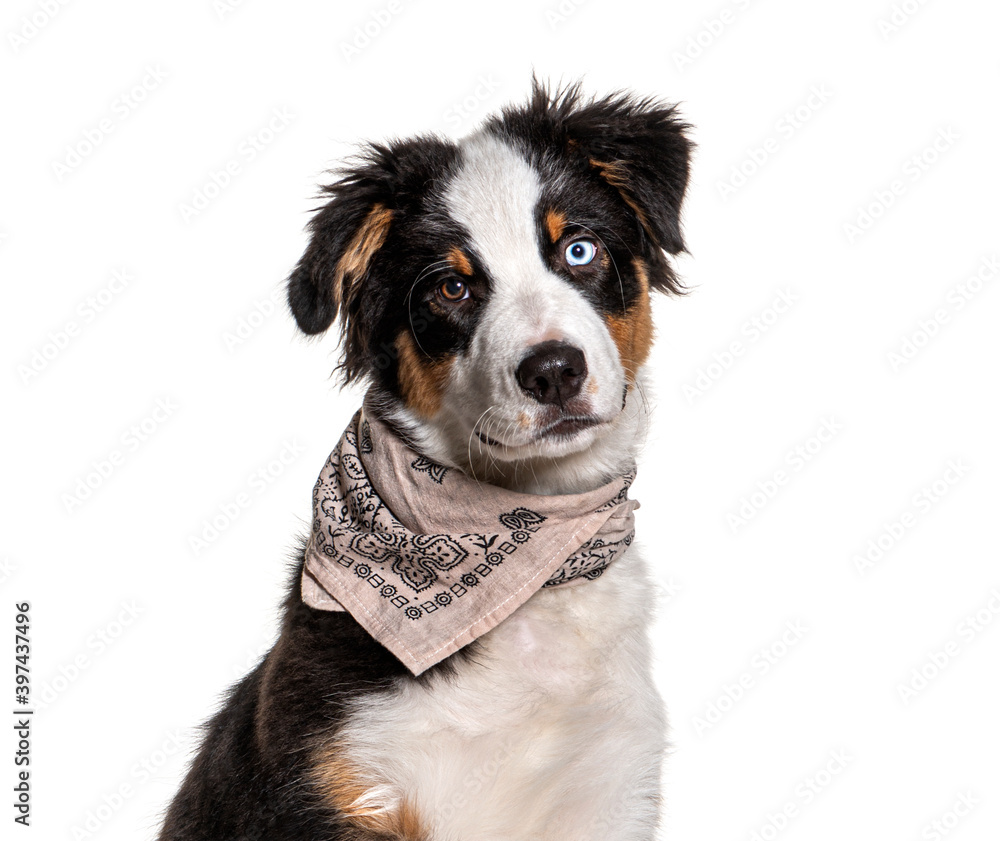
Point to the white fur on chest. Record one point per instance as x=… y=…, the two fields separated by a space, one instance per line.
x=552 y=730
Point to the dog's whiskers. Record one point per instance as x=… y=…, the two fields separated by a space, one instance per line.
x=438 y=266
x=611 y=257
x=472 y=433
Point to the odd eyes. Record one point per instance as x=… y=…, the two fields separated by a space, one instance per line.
x=580 y=252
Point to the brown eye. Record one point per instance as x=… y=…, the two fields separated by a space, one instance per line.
x=453 y=290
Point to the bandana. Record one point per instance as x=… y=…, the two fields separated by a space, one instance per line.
x=427 y=559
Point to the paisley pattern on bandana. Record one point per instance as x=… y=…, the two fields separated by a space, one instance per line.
x=394 y=575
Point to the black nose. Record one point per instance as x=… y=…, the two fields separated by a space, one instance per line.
x=552 y=372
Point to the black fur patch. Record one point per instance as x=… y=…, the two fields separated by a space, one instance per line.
x=632 y=151
x=405 y=177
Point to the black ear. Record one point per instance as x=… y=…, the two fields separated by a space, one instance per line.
x=637 y=145
x=346 y=235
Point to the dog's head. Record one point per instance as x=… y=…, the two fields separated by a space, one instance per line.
x=496 y=291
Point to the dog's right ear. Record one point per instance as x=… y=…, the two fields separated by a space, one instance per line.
x=337 y=274
x=346 y=235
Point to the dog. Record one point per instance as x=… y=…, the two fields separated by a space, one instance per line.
x=495 y=295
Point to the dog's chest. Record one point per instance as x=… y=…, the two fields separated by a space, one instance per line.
x=552 y=729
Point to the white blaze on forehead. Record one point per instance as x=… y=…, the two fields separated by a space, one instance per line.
x=494 y=195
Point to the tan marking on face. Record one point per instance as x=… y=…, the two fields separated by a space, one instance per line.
x=367 y=240
x=344 y=788
x=555 y=224
x=459 y=261
x=633 y=331
x=523 y=420
x=616 y=174
x=421 y=380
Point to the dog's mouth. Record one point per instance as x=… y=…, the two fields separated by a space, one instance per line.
x=562 y=428
x=568 y=427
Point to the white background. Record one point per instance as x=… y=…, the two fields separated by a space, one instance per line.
x=137 y=632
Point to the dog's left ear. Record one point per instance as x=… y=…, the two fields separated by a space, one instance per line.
x=640 y=148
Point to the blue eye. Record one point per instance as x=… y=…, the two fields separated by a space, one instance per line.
x=581 y=252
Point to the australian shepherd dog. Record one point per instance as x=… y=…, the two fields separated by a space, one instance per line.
x=494 y=294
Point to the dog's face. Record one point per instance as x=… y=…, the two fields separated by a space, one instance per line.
x=496 y=291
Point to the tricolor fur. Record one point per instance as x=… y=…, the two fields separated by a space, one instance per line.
x=495 y=293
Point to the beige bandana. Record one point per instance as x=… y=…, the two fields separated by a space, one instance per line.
x=427 y=559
